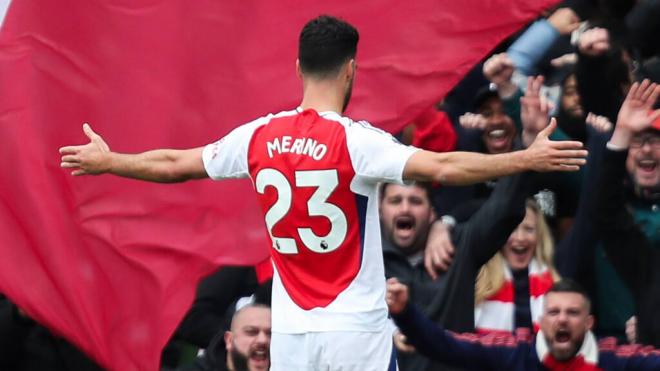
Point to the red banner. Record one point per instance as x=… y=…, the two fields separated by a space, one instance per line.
x=112 y=263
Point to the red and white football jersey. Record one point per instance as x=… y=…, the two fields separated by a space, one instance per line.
x=316 y=176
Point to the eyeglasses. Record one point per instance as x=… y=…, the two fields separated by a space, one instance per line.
x=652 y=140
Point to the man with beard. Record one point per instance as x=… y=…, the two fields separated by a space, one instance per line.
x=248 y=340
x=564 y=342
x=246 y=343
x=627 y=218
x=316 y=175
x=406 y=215
x=571 y=115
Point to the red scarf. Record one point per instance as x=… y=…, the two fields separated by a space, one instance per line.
x=576 y=363
x=496 y=313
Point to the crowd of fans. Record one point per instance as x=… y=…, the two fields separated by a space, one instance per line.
x=483 y=259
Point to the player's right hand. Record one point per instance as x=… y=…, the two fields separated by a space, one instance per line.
x=545 y=155
x=396 y=296
x=90 y=158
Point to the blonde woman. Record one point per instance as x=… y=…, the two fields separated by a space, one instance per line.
x=510 y=287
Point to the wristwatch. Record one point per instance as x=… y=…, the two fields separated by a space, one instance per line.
x=448 y=220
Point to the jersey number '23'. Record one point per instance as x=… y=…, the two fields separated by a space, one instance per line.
x=325 y=182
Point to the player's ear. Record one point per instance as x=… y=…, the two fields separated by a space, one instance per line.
x=298 y=71
x=351 y=68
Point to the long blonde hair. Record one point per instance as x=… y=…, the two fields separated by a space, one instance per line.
x=491 y=276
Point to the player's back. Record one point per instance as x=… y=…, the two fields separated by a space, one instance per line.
x=316 y=176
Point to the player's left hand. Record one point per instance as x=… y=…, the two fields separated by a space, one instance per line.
x=547 y=155
x=86 y=159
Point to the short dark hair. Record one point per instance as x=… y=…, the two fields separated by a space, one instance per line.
x=325 y=44
x=568 y=285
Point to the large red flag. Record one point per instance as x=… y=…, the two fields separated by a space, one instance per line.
x=112 y=263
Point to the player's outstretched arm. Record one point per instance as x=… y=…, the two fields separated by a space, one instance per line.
x=460 y=168
x=161 y=165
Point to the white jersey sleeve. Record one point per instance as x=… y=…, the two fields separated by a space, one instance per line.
x=376 y=155
x=228 y=157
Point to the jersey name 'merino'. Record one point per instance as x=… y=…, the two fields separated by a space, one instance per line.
x=299 y=146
